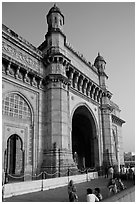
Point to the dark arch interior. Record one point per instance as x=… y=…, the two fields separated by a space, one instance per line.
x=83 y=138
x=14 y=154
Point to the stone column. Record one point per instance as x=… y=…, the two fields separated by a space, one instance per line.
x=75 y=79
x=57 y=136
x=106 y=110
x=88 y=89
x=80 y=83
x=92 y=91
x=85 y=82
x=71 y=74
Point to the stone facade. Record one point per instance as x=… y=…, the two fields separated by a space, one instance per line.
x=55 y=106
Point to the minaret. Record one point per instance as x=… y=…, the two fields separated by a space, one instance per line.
x=100 y=64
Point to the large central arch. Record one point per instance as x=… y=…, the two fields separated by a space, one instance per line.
x=84 y=138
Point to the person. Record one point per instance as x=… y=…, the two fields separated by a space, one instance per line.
x=98 y=194
x=106 y=172
x=73 y=197
x=112 y=186
x=91 y=197
x=111 y=172
x=120 y=185
x=70 y=186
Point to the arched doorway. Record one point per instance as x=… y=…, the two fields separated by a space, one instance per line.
x=84 y=138
x=15 y=155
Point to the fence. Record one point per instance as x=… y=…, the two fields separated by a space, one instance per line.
x=15 y=188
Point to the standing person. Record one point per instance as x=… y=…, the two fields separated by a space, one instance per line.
x=70 y=186
x=91 y=197
x=106 y=172
x=98 y=194
x=72 y=192
x=111 y=172
x=73 y=195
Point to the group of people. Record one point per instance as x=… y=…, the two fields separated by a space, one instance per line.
x=125 y=172
x=115 y=185
x=92 y=196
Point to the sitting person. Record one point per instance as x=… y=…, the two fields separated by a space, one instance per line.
x=112 y=186
x=98 y=194
x=120 y=185
x=91 y=197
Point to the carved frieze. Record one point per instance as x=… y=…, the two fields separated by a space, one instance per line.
x=20 y=56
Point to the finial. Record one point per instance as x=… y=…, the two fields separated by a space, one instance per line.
x=55 y=5
x=98 y=53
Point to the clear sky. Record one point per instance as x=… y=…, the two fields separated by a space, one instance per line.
x=90 y=27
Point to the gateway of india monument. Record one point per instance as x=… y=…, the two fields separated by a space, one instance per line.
x=57 y=112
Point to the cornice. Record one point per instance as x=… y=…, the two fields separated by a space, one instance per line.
x=117 y=120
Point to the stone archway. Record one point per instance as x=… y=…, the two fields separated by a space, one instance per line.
x=84 y=139
x=15 y=156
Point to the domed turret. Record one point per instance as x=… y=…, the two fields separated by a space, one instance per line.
x=55 y=19
x=100 y=65
x=54 y=9
x=99 y=62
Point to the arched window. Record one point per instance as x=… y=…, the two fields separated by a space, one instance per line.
x=55 y=20
x=15 y=106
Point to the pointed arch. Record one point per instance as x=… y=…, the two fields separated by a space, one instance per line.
x=84 y=137
x=91 y=112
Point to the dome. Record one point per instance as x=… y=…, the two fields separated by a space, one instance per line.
x=54 y=9
x=99 y=58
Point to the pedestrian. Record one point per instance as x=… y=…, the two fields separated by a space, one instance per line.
x=73 y=197
x=91 y=197
x=111 y=172
x=112 y=186
x=70 y=186
x=106 y=172
x=98 y=194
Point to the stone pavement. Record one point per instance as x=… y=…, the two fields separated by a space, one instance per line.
x=60 y=194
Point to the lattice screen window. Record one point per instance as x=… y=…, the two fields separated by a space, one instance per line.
x=15 y=106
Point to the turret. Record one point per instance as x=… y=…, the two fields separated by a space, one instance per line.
x=100 y=64
x=55 y=19
x=55 y=36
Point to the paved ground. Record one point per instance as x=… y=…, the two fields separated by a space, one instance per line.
x=60 y=194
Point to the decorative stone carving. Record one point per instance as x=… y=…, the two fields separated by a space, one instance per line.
x=34 y=82
x=75 y=79
x=18 y=75
x=26 y=78
x=88 y=89
x=84 y=87
x=20 y=56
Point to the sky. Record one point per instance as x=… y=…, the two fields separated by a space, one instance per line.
x=91 y=27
